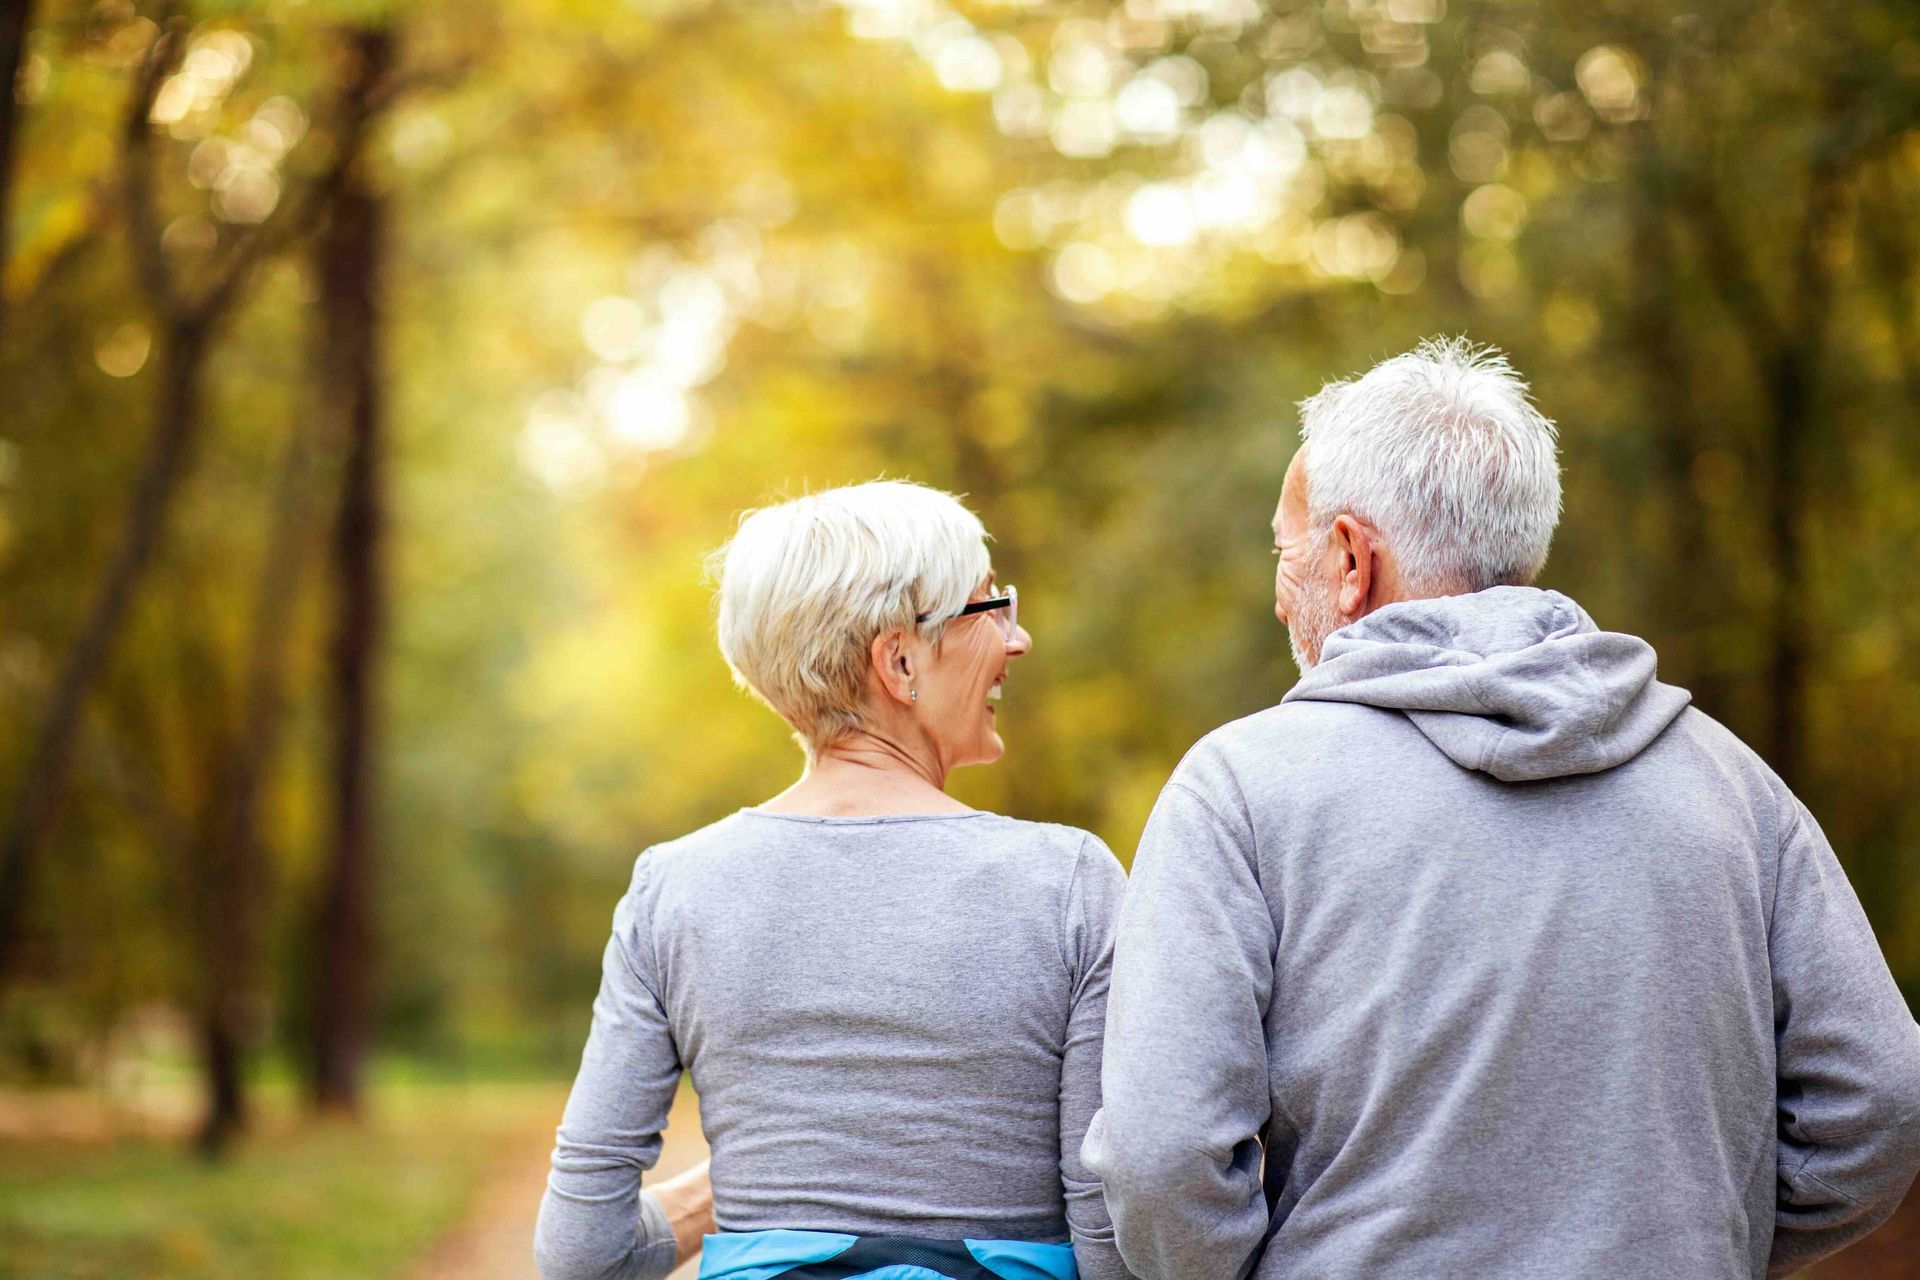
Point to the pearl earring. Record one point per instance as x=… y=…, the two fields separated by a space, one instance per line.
x=913 y=695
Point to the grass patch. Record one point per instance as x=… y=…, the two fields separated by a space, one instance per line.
x=300 y=1200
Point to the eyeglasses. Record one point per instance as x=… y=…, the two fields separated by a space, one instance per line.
x=1008 y=599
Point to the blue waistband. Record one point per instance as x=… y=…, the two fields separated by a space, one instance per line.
x=828 y=1255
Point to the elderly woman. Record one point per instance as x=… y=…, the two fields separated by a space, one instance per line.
x=890 y=1004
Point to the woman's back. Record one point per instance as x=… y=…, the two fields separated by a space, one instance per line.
x=894 y=1025
x=876 y=1013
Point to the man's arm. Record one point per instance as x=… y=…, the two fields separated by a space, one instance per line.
x=1185 y=1085
x=1847 y=1056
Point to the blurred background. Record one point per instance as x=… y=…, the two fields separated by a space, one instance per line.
x=376 y=377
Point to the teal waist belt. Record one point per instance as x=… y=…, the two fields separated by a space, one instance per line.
x=828 y=1255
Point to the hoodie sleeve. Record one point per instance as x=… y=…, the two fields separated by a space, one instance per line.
x=1848 y=1058
x=1185 y=1087
x=595 y=1224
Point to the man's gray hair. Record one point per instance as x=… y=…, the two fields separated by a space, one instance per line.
x=1443 y=452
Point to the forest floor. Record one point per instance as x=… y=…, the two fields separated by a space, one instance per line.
x=92 y=1190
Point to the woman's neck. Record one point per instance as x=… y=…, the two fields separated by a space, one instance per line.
x=864 y=776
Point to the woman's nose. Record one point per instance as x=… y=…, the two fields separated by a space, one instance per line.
x=1020 y=643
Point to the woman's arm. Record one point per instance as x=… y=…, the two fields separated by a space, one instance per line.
x=686 y=1203
x=594 y=1224
x=1093 y=907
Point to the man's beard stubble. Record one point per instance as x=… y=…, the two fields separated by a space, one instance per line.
x=1311 y=620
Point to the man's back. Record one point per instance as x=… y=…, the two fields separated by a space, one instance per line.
x=1490 y=939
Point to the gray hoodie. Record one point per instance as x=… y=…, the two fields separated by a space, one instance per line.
x=1483 y=954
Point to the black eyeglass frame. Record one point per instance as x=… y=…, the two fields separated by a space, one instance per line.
x=978 y=606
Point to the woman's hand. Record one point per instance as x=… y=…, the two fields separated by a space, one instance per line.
x=688 y=1200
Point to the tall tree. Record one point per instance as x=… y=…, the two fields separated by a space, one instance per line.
x=189 y=322
x=14 y=18
x=231 y=870
x=350 y=256
x=186 y=332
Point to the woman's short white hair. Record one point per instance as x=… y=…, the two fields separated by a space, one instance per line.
x=1443 y=452
x=806 y=585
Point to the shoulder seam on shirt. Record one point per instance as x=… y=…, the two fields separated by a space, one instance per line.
x=634 y=969
x=652 y=986
x=1795 y=822
x=1066 y=908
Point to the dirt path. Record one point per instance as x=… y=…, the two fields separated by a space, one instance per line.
x=496 y=1241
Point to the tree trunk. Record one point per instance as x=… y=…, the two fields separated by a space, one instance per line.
x=235 y=871
x=1792 y=382
x=181 y=366
x=1683 y=589
x=186 y=336
x=222 y=1048
x=1788 y=484
x=1787 y=351
x=351 y=255
x=13 y=39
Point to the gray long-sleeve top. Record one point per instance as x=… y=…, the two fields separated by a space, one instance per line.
x=894 y=1026
x=1497 y=960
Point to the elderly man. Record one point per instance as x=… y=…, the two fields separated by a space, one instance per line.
x=1483 y=954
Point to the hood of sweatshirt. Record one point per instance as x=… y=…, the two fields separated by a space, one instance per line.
x=1513 y=681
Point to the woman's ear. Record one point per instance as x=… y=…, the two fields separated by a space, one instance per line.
x=894 y=664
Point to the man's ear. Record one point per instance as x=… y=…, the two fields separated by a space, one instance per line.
x=1352 y=543
x=893 y=664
